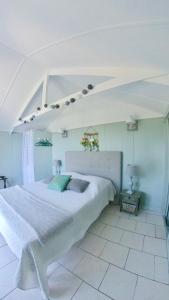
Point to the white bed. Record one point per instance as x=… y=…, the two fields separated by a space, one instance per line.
x=34 y=257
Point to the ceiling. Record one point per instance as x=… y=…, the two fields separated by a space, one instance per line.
x=58 y=47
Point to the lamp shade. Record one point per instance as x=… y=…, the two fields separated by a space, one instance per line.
x=132 y=170
x=58 y=163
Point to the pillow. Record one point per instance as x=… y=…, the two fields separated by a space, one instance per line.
x=77 y=185
x=59 y=183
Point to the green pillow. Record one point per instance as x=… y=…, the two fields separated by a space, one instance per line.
x=59 y=183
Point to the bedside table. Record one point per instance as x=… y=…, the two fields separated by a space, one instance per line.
x=130 y=202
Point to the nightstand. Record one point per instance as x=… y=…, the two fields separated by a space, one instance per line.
x=130 y=202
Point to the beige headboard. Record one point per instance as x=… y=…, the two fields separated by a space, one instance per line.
x=107 y=164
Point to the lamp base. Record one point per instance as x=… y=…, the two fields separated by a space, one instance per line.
x=130 y=192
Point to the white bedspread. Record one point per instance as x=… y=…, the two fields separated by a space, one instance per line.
x=26 y=239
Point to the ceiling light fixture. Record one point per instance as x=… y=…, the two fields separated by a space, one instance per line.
x=84 y=92
x=72 y=100
x=90 y=86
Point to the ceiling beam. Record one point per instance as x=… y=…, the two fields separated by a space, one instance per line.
x=44 y=90
x=101 y=87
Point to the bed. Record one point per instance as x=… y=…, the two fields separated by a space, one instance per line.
x=41 y=225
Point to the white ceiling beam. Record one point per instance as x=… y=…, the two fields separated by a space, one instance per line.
x=32 y=93
x=101 y=87
x=44 y=90
x=164 y=80
x=107 y=71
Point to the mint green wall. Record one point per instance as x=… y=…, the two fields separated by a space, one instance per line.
x=42 y=157
x=10 y=157
x=145 y=147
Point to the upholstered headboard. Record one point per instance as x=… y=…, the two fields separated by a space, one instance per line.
x=107 y=164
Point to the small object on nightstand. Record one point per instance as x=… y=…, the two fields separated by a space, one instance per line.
x=130 y=202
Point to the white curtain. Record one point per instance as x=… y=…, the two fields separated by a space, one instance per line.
x=27 y=157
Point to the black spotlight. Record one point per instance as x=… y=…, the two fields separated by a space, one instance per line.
x=31 y=119
x=25 y=121
x=45 y=105
x=90 y=86
x=72 y=100
x=38 y=108
x=57 y=106
x=67 y=103
x=20 y=119
x=84 y=92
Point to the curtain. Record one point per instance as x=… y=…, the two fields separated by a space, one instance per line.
x=27 y=157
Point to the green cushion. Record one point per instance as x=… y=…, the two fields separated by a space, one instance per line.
x=59 y=183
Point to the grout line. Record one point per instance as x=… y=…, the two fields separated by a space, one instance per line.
x=126 y=259
x=154 y=268
x=8 y=294
x=135 y=288
x=103 y=277
x=8 y=263
x=143 y=244
x=77 y=290
x=103 y=249
x=121 y=237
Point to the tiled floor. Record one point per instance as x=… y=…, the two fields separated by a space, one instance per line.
x=122 y=257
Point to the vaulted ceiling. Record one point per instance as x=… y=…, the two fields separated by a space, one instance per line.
x=51 y=50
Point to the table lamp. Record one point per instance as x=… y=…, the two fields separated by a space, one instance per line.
x=132 y=172
x=58 y=164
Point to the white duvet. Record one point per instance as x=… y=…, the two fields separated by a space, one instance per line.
x=34 y=257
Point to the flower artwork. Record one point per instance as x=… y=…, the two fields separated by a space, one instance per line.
x=90 y=141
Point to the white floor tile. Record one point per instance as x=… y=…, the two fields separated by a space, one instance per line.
x=86 y=292
x=155 y=246
x=97 y=227
x=147 y=289
x=7 y=283
x=91 y=269
x=109 y=219
x=140 y=263
x=145 y=228
x=119 y=284
x=161 y=270
x=63 y=284
x=72 y=258
x=33 y=294
x=115 y=254
x=161 y=232
x=155 y=219
x=2 y=241
x=132 y=240
x=93 y=244
x=112 y=233
x=127 y=224
x=6 y=256
x=141 y=217
x=119 y=213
